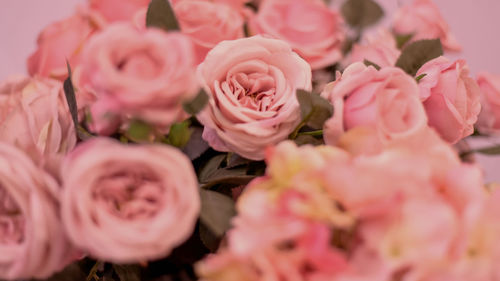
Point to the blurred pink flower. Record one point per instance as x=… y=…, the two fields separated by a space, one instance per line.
x=423 y=19
x=128 y=203
x=489 y=118
x=379 y=48
x=314 y=30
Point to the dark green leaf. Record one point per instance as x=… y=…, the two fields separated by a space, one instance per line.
x=418 y=78
x=161 y=15
x=361 y=13
x=210 y=167
x=235 y=161
x=69 y=92
x=417 y=54
x=197 y=104
x=494 y=150
x=402 y=39
x=217 y=210
x=370 y=63
x=128 y=272
x=70 y=272
x=314 y=109
x=196 y=145
x=306 y=139
x=210 y=240
x=140 y=131
x=179 y=134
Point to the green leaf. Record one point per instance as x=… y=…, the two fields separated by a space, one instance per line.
x=370 y=63
x=196 y=145
x=494 y=150
x=197 y=104
x=140 y=131
x=314 y=109
x=128 y=272
x=308 y=139
x=217 y=210
x=418 y=78
x=402 y=39
x=210 y=240
x=228 y=176
x=161 y=15
x=179 y=134
x=210 y=167
x=361 y=13
x=70 y=272
x=417 y=54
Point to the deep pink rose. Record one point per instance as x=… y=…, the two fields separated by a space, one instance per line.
x=128 y=203
x=423 y=19
x=380 y=48
x=134 y=74
x=34 y=116
x=451 y=98
x=489 y=118
x=386 y=100
x=117 y=10
x=313 y=30
x=61 y=41
x=208 y=23
x=32 y=238
x=251 y=84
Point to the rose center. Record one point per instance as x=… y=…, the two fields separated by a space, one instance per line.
x=254 y=90
x=140 y=65
x=129 y=194
x=11 y=220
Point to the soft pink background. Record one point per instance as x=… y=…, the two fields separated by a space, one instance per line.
x=474 y=22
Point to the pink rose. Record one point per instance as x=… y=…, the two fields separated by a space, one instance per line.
x=128 y=203
x=386 y=100
x=34 y=116
x=489 y=118
x=313 y=30
x=423 y=19
x=32 y=239
x=136 y=74
x=451 y=98
x=61 y=41
x=251 y=84
x=380 y=48
x=208 y=23
x=117 y=10
x=237 y=4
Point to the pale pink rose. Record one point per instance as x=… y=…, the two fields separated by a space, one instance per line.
x=62 y=40
x=208 y=23
x=134 y=74
x=117 y=10
x=251 y=84
x=34 y=116
x=237 y=4
x=387 y=100
x=451 y=98
x=423 y=19
x=313 y=30
x=489 y=118
x=379 y=48
x=128 y=203
x=32 y=238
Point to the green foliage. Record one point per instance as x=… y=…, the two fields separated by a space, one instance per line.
x=361 y=13
x=161 y=15
x=197 y=104
x=417 y=54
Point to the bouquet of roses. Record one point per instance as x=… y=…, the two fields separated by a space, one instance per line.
x=271 y=140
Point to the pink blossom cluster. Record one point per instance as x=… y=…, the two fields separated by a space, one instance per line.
x=322 y=213
x=385 y=197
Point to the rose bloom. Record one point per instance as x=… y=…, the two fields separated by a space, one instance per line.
x=61 y=41
x=208 y=23
x=379 y=48
x=451 y=98
x=32 y=239
x=235 y=4
x=313 y=30
x=117 y=10
x=128 y=203
x=134 y=74
x=34 y=116
x=423 y=19
x=386 y=100
x=251 y=84
x=489 y=118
